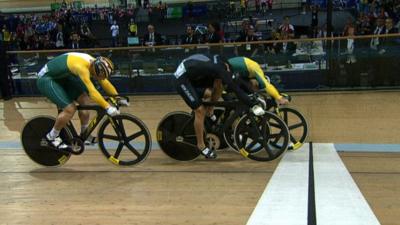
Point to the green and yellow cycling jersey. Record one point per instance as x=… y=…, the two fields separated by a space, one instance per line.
x=76 y=65
x=249 y=69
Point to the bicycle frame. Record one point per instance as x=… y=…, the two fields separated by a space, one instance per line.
x=92 y=124
x=101 y=113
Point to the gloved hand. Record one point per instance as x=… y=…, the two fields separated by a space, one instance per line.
x=112 y=111
x=257 y=110
x=123 y=102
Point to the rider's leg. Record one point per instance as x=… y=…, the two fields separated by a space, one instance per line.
x=199 y=115
x=191 y=96
x=64 y=117
x=83 y=114
x=62 y=120
x=55 y=90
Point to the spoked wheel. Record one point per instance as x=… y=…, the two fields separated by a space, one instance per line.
x=229 y=133
x=36 y=147
x=176 y=136
x=297 y=125
x=124 y=140
x=261 y=138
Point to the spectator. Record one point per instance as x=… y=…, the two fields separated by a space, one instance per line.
x=87 y=36
x=6 y=36
x=189 y=37
x=350 y=32
x=375 y=43
x=243 y=7
x=390 y=29
x=60 y=39
x=377 y=48
x=75 y=40
x=270 y=2
x=287 y=47
x=248 y=50
x=264 y=6
x=244 y=28
x=275 y=48
x=257 y=3
x=363 y=24
x=114 y=33
x=152 y=38
x=286 y=27
x=132 y=28
x=391 y=55
x=314 y=16
x=364 y=8
x=64 y=5
x=213 y=33
x=162 y=9
x=304 y=6
x=189 y=6
x=250 y=35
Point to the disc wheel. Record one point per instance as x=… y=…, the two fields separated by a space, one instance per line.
x=36 y=147
x=176 y=136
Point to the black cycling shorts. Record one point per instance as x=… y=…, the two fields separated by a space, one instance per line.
x=191 y=94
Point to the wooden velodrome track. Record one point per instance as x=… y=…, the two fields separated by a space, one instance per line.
x=90 y=190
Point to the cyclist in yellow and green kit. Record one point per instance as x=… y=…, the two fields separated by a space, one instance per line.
x=66 y=79
x=251 y=72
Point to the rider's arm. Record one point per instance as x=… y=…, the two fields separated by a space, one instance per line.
x=263 y=83
x=84 y=74
x=217 y=90
x=108 y=87
x=227 y=79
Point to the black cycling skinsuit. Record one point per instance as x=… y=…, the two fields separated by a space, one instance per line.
x=198 y=72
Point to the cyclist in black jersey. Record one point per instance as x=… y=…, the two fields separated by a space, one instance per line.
x=201 y=77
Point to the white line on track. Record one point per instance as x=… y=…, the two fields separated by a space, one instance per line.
x=337 y=197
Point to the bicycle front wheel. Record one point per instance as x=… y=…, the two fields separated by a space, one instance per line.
x=262 y=138
x=124 y=140
x=297 y=125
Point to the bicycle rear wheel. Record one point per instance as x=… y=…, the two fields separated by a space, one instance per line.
x=124 y=140
x=36 y=147
x=261 y=138
x=176 y=136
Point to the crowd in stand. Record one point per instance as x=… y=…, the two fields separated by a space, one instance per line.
x=71 y=28
x=64 y=28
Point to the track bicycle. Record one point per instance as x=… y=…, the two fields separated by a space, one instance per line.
x=123 y=139
x=177 y=139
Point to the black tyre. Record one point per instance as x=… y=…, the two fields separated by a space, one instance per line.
x=124 y=140
x=176 y=136
x=297 y=125
x=35 y=146
x=261 y=138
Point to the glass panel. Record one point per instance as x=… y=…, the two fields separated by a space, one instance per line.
x=298 y=64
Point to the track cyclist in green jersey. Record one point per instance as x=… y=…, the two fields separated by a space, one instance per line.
x=66 y=79
x=251 y=72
